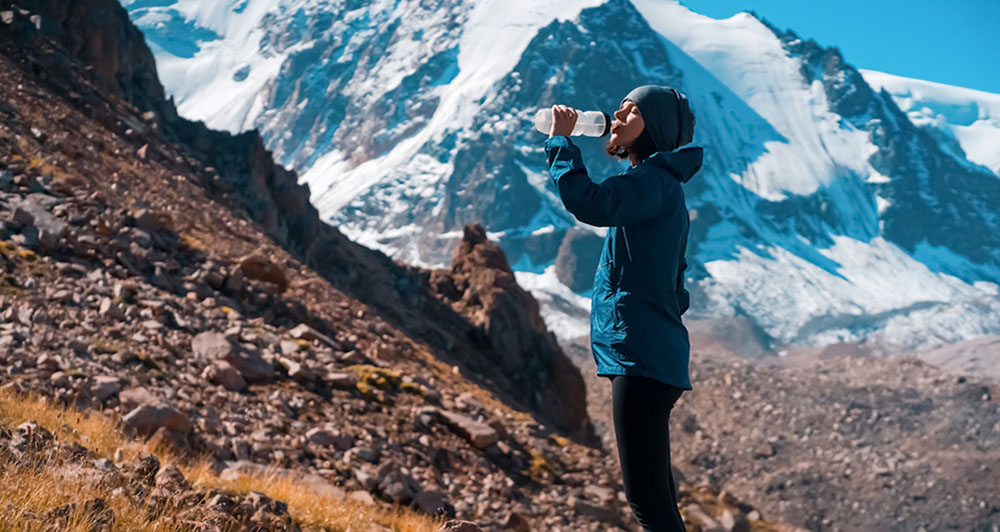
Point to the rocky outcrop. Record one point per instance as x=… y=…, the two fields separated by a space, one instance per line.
x=482 y=287
x=99 y=35
x=577 y=259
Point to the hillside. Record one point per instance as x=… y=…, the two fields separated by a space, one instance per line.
x=846 y=443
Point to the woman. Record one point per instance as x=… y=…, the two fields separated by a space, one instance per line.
x=636 y=333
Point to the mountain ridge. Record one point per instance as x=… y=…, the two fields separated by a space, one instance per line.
x=805 y=190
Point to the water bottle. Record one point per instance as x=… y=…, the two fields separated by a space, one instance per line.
x=589 y=123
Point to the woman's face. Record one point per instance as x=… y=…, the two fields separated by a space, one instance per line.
x=627 y=126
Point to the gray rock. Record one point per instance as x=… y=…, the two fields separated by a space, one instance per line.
x=105 y=386
x=480 y=435
x=146 y=419
x=310 y=482
x=341 y=380
x=170 y=478
x=224 y=374
x=399 y=487
x=601 y=494
x=434 y=502
x=305 y=332
x=29 y=437
x=605 y=514
x=110 y=309
x=297 y=370
x=365 y=454
x=289 y=347
x=60 y=379
x=708 y=524
x=353 y=357
x=321 y=437
x=148 y=221
x=210 y=346
x=365 y=477
x=132 y=397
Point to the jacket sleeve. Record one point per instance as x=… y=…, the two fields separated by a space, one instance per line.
x=620 y=200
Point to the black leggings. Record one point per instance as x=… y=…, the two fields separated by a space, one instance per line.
x=642 y=414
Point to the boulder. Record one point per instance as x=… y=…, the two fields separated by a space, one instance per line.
x=145 y=419
x=259 y=266
x=307 y=333
x=321 y=437
x=212 y=346
x=170 y=478
x=224 y=374
x=104 y=387
x=434 y=502
x=480 y=435
x=605 y=514
x=398 y=487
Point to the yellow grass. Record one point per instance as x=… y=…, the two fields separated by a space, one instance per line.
x=316 y=509
x=29 y=491
x=192 y=241
x=91 y=429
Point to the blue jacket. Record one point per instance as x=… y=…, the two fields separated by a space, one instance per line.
x=639 y=295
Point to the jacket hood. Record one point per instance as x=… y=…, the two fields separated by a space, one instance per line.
x=683 y=164
x=667 y=115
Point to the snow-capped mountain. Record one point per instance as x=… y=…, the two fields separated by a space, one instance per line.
x=968 y=117
x=824 y=212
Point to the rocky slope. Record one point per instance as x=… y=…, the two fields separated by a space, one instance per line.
x=178 y=280
x=239 y=170
x=844 y=443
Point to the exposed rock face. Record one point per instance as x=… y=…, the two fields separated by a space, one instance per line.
x=482 y=286
x=99 y=34
x=577 y=259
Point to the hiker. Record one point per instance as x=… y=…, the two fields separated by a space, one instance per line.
x=636 y=334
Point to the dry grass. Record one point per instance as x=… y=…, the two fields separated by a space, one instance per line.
x=90 y=429
x=316 y=509
x=26 y=492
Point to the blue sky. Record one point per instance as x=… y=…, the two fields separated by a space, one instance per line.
x=957 y=43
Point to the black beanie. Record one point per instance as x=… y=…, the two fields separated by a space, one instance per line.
x=667 y=115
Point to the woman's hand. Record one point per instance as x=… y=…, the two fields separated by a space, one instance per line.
x=563 y=121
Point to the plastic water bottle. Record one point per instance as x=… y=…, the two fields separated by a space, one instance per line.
x=589 y=123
